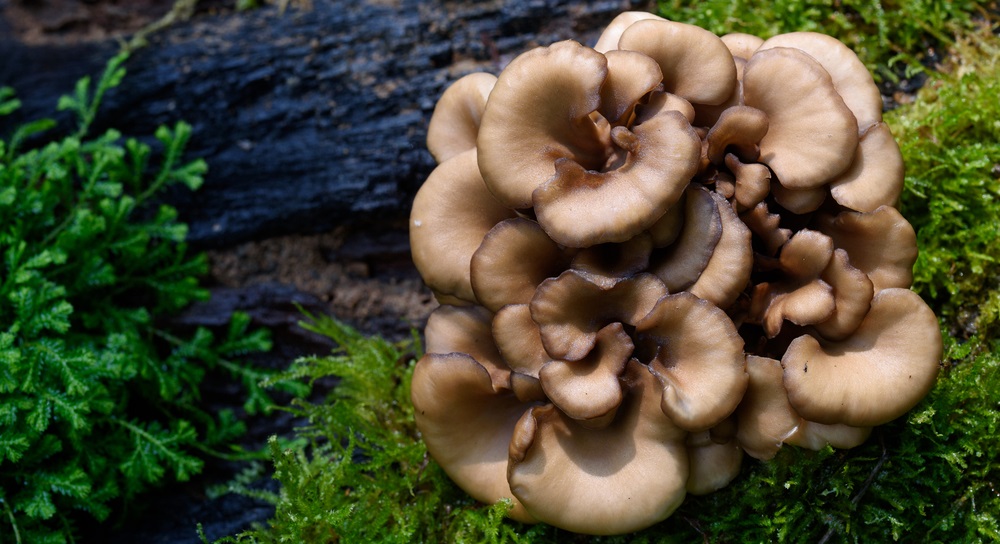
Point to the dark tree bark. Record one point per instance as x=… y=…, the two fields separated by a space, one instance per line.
x=310 y=119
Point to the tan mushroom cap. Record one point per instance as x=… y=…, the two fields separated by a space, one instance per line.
x=608 y=40
x=753 y=182
x=873 y=376
x=767 y=420
x=571 y=309
x=798 y=201
x=518 y=339
x=660 y=101
x=619 y=479
x=539 y=111
x=578 y=207
x=684 y=261
x=882 y=244
x=806 y=304
x=514 y=257
x=699 y=360
x=741 y=127
x=876 y=176
x=631 y=76
x=712 y=465
x=741 y=45
x=467 y=425
x=467 y=329
x=588 y=390
x=812 y=135
x=806 y=255
x=615 y=261
x=454 y=124
x=451 y=213
x=849 y=75
x=766 y=226
x=668 y=227
x=696 y=64
x=728 y=270
x=852 y=291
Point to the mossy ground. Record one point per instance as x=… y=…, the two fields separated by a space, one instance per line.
x=360 y=472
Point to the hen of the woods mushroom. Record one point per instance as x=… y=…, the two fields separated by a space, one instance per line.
x=653 y=256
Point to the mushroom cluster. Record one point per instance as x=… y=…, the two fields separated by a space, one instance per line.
x=653 y=256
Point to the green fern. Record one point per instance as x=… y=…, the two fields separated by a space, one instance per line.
x=97 y=401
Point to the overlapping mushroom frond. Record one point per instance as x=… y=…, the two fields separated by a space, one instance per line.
x=654 y=256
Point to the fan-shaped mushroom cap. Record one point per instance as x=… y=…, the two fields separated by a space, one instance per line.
x=876 y=176
x=539 y=111
x=696 y=64
x=798 y=201
x=613 y=32
x=571 y=309
x=765 y=225
x=607 y=473
x=451 y=213
x=514 y=257
x=766 y=419
x=882 y=244
x=578 y=207
x=812 y=135
x=455 y=122
x=615 y=261
x=467 y=329
x=518 y=339
x=699 y=360
x=712 y=465
x=660 y=101
x=728 y=270
x=849 y=75
x=753 y=182
x=739 y=126
x=631 y=76
x=467 y=425
x=852 y=291
x=876 y=374
x=588 y=390
x=802 y=304
x=684 y=261
x=741 y=45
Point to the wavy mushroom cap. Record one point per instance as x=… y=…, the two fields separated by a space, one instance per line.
x=467 y=329
x=598 y=481
x=699 y=360
x=875 y=178
x=696 y=64
x=713 y=464
x=683 y=262
x=467 y=425
x=608 y=40
x=873 y=376
x=742 y=46
x=539 y=111
x=454 y=125
x=451 y=213
x=812 y=134
x=728 y=270
x=881 y=243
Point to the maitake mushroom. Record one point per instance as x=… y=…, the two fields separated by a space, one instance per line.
x=653 y=256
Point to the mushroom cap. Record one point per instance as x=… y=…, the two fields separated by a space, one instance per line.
x=518 y=339
x=699 y=360
x=873 y=376
x=538 y=112
x=588 y=390
x=882 y=244
x=578 y=207
x=615 y=261
x=852 y=291
x=753 y=182
x=631 y=76
x=660 y=101
x=608 y=39
x=812 y=134
x=685 y=260
x=728 y=270
x=572 y=308
x=622 y=478
x=712 y=465
x=742 y=46
x=850 y=76
x=766 y=226
x=696 y=64
x=467 y=329
x=514 y=257
x=740 y=126
x=802 y=304
x=451 y=213
x=798 y=201
x=875 y=178
x=467 y=425
x=454 y=124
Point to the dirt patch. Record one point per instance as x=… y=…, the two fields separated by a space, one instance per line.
x=365 y=278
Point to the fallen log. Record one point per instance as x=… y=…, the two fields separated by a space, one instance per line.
x=311 y=119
